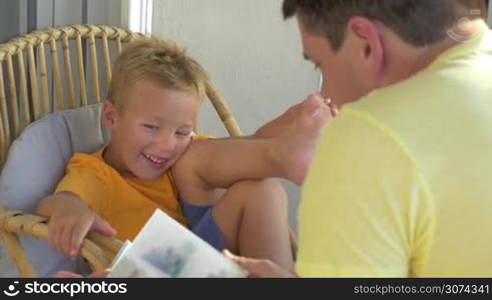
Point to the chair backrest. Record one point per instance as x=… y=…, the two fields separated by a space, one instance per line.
x=36 y=163
x=31 y=90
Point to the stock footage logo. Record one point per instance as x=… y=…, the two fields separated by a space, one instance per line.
x=460 y=32
x=56 y=287
x=11 y=290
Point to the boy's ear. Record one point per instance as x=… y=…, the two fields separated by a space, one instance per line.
x=109 y=114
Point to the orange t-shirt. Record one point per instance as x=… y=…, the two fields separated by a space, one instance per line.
x=126 y=203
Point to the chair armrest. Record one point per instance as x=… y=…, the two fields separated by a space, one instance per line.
x=14 y=222
x=106 y=243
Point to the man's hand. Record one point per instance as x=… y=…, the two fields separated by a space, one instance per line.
x=70 y=221
x=68 y=274
x=259 y=268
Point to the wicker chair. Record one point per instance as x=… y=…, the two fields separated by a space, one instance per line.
x=26 y=96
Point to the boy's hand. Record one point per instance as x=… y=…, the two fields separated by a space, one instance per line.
x=70 y=221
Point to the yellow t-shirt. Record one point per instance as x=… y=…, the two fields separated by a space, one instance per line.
x=401 y=181
x=126 y=203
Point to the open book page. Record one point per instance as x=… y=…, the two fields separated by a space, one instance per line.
x=164 y=248
x=123 y=250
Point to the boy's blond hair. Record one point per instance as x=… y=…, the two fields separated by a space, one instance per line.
x=162 y=62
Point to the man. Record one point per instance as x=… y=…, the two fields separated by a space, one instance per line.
x=400 y=183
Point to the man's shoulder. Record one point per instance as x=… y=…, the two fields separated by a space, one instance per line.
x=409 y=93
x=453 y=76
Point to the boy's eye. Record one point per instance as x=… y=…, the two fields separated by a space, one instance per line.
x=185 y=133
x=150 y=126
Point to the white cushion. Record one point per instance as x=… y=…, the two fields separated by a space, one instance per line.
x=35 y=164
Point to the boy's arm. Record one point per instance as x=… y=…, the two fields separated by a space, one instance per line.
x=70 y=221
x=219 y=163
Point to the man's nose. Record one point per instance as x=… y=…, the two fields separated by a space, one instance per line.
x=324 y=88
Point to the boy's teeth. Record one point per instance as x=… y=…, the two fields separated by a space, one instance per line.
x=153 y=159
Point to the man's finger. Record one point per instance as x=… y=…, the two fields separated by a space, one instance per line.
x=100 y=274
x=255 y=267
x=258 y=267
x=67 y=274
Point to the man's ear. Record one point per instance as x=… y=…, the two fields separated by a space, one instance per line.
x=370 y=46
x=109 y=114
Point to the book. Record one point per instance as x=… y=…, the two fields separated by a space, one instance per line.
x=165 y=248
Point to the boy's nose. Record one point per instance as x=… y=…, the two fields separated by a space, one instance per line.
x=166 y=143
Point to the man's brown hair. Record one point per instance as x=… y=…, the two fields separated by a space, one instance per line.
x=417 y=22
x=159 y=61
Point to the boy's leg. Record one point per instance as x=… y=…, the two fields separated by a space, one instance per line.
x=252 y=216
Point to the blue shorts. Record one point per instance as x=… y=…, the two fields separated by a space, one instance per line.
x=201 y=223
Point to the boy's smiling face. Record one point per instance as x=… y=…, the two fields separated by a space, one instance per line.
x=151 y=131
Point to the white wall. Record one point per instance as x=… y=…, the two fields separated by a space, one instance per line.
x=254 y=57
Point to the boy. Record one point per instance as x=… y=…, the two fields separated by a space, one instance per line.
x=152 y=106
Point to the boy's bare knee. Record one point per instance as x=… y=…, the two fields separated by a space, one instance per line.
x=274 y=187
x=261 y=190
